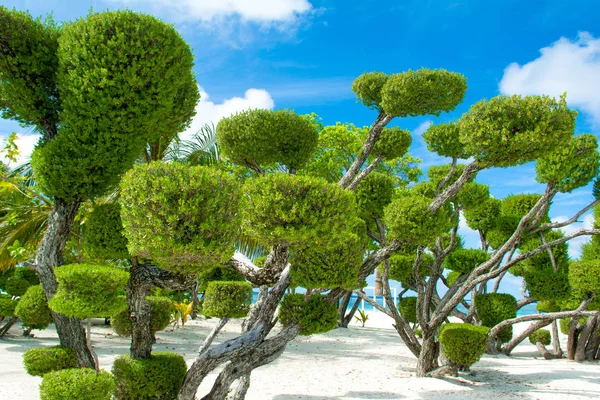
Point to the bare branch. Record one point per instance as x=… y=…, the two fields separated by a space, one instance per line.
x=567 y=222
x=275 y=263
x=452 y=190
x=365 y=172
x=446 y=178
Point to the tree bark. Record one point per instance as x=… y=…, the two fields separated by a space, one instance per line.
x=13 y=320
x=378 y=283
x=139 y=312
x=509 y=347
x=49 y=256
x=428 y=357
x=556 y=340
x=584 y=337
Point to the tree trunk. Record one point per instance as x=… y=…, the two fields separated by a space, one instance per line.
x=428 y=357
x=344 y=318
x=139 y=312
x=556 y=340
x=9 y=324
x=378 y=283
x=508 y=348
x=194 y=314
x=240 y=388
x=572 y=339
x=585 y=336
x=49 y=256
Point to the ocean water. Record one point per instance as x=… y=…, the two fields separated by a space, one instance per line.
x=526 y=310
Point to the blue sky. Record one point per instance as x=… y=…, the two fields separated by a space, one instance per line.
x=304 y=54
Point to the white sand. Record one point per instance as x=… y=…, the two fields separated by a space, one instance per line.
x=355 y=363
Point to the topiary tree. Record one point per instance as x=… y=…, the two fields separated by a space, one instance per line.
x=33 y=309
x=492 y=309
x=98 y=90
x=315 y=315
x=39 y=362
x=463 y=344
x=77 y=384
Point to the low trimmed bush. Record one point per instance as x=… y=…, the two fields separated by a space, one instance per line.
x=161 y=309
x=463 y=344
x=541 y=335
x=314 y=316
x=465 y=260
x=547 y=306
x=86 y=290
x=227 y=299
x=33 y=308
x=157 y=377
x=547 y=285
x=39 y=362
x=77 y=384
x=493 y=308
x=408 y=308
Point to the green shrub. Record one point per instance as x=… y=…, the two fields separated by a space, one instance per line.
x=219 y=273
x=493 y=308
x=314 y=316
x=373 y=194
x=408 y=308
x=368 y=88
x=547 y=306
x=541 y=335
x=547 y=284
x=392 y=143
x=465 y=260
x=483 y=217
x=86 y=291
x=227 y=299
x=33 y=308
x=584 y=277
x=77 y=384
x=161 y=309
x=452 y=277
x=16 y=286
x=7 y=305
x=283 y=208
x=103 y=232
x=401 y=266
x=38 y=362
x=463 y=344
x=157 y=377
x=258 y=138
x=443 y=139
x=184 y=218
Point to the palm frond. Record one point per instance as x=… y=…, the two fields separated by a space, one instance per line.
x=201 y=149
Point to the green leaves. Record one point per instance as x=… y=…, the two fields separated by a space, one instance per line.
x=465 y=260
x=463 y=344
x=368 y=88
x=373 y=194
x=572 y=164
x=125 y=79
x=258 y=138
x=227 y=299
x=422 y=92
x=444 y=140
x=314 y=315
x=282 y=208
x=184 y=218
x=392 y=143
x=103 y=232
x=584 y=277
x=86 y=291
x=33 y=308
x=493 y=308
x=542 y=336
x=506 y=131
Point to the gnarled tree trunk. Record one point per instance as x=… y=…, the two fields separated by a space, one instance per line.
x=139 y=312
x=49 y=256
x=428 y=357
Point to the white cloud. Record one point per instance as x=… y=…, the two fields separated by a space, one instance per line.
x=470 y=236
x=261 y=11
x=564 y=66
x=576 y=243
x=25 y=143
x=208 y=112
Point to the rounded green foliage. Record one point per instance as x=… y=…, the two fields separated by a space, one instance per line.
x=410 y=221
x=493 y=308
x=392 y=143
x=401 y=266
x=157 y=377
x=542 y=336
x=584 y=277
x=473 y=195
x=542 y=261
x=368 y=88
x=7 y=305
x=519 y=205
x=547 y=306
x=38 y=362
x=86 y=291
x=333 y=265
x=452 y=277
x=283 y=208
x=257 y=138
x=463 y=344
x=77 y=384
x=547 y=284
x=16 y=286
x=29 y=64
x=373 y=194
x=33 y=308
x=465 y=260
x=184 y=218
x=437 y=173
x=422 y=92
x=571 y=165
x=443 y=139
x=483 y=216
x=160 y=316
x=125 y=79
x=220 y=273
x=511 y=130
x=408 y=309
x=227 y=299
x=103 y=232
x=314 y=316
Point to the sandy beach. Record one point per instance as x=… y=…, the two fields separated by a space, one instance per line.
x=354 y=363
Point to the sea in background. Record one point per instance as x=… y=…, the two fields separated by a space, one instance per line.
x=529 y=309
